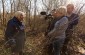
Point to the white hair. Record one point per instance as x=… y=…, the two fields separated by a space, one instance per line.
x=19 y=13
x=62 y=9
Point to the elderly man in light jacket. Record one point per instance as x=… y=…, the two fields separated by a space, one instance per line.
x=58 y=31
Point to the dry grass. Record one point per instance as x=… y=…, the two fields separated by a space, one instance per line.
x=35 y=41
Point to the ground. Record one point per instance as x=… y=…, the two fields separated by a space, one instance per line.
x=35 y=41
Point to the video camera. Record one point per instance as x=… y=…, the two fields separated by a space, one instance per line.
x=47 y=16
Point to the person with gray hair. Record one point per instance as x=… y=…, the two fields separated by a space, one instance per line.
x=57 y=30
x=15 y=34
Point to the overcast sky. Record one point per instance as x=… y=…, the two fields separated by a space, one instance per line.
x=77 y=3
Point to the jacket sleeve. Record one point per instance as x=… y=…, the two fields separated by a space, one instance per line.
x=51 y=33
x=74 y=21
x=60 y=27
x=9 y=30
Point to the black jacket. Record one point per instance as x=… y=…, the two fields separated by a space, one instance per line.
x=13 y=27
x=73 y=20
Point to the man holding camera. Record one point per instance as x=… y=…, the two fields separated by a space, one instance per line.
x=57 y=30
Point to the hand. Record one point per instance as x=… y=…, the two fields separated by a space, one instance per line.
x=12 y=42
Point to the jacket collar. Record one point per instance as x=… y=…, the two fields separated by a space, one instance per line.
x=16 y=20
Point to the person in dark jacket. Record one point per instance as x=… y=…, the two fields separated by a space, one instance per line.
x=72 y=17
x=15 y=34
x=73 y=21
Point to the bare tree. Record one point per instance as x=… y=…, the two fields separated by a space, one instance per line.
x=3 y=20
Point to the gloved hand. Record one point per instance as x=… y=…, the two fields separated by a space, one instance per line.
x=22 y=27
x=12 y=42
